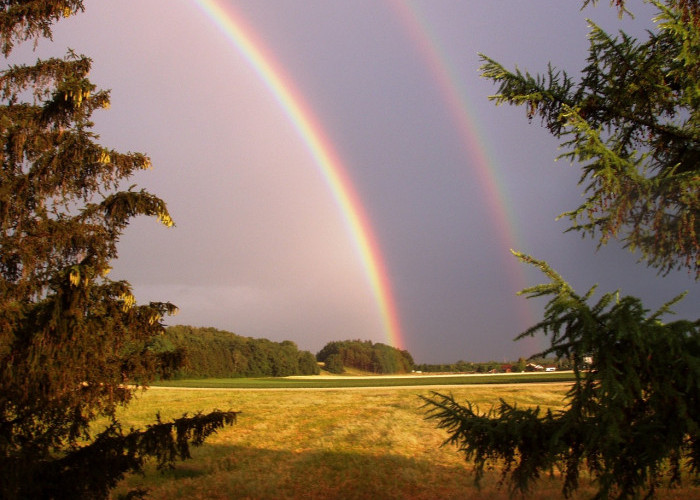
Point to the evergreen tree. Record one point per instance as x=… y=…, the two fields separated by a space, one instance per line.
x=633 y=123
x=73 y=343
x=633 y=418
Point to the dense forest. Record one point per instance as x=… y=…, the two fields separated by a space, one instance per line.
x=208 y=352
x=364 y=355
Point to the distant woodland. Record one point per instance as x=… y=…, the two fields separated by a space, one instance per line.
x=205 y=352
x=208 y=352
x=366 y=356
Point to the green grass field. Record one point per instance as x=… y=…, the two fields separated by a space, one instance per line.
x=363 y=443
x=314 y=382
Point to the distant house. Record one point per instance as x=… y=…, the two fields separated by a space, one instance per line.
x=506 y=368
x=534 y=367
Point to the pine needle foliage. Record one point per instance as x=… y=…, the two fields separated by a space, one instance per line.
x=73 y=343
x=631 y=420
x=633 y=123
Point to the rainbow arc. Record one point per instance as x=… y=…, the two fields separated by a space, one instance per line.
x=428 y=46
x=333 y=170
x=232 y=25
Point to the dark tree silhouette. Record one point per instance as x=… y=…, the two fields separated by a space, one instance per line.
x=73 y=343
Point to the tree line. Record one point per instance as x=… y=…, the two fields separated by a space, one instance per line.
x=520 y=365
x=209 y=352
x=366 y=356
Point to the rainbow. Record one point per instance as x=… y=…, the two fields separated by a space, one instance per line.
x=447 y=80
x=331 y=168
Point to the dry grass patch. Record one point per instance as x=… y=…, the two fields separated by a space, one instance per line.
x=350 y=444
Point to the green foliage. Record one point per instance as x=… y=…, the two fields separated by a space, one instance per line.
x=367 y=356
x=630 y=420
x=209 y=352
x=24 y=20
x=308 y=364
x=334 y=364
x=470 y=367
x=632 y=417
x=458 y=367
x=72 y=341
x=633 y=123
x=91 y=471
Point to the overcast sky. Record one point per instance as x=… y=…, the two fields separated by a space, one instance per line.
x=260 y=246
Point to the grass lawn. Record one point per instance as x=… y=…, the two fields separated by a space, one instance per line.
x=366 y=443
x=319 y=382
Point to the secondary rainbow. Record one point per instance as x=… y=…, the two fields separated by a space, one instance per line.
x=455 y=97
x=330 y=166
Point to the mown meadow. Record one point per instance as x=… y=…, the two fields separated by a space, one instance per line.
x=346 y=443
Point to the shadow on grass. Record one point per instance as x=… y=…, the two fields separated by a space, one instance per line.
x=228 y=471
